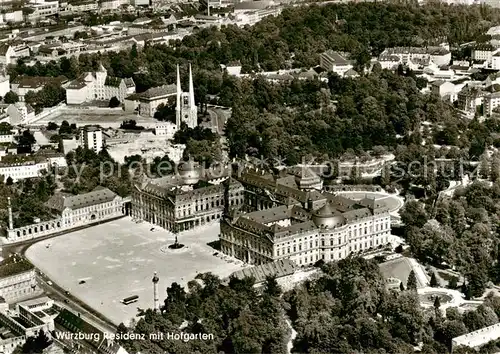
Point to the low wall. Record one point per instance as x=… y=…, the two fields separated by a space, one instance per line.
x=84 y=109
x=47 y=228
x=48 y=111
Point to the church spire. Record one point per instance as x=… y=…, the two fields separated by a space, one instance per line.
x=11 y=220
x=191 y=89
x=178 y=102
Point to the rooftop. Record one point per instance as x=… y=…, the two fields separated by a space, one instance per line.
x=38 y=81
x=158 y=92
x=14 y=265
x=62 y=201
x=277 y=269
x=335 y=57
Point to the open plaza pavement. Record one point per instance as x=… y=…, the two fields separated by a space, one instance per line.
x=118 y=259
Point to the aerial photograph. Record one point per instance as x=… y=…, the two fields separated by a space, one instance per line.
x=249 y=177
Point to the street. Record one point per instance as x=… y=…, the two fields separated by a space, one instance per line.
x=69 y=301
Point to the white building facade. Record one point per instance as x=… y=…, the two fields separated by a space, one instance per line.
x=91 y=138
x=74 y=210
x=313 y=226
x=98 y=86
x=165 y=129
x=333 y=61
x=19 y=171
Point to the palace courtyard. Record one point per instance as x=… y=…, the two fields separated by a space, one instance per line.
x=118 y=259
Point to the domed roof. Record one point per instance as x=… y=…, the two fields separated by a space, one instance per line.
x=325 y=210
x=187 y=166
x=189 y=171
x=326 y=218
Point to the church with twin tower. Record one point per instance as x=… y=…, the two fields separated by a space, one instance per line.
x=186 y=110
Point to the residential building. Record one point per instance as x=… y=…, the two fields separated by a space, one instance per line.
x=81 y=6
x=72 y=211
x=186 y=109
x=17 y=279
x=20 y=113
x=42 y=9
x=233 y=69
x=7 y=54
x=98 y=86
x=91 y=138
x=111 y=5
x=491 y=101
x=440 y=55
x=390 y=62
x=217 y=4
x=30 y=168
x=443 y=89
x=333 y=61
x=278 y=221
x=189 y=198
x=140 y=2
x=483 y=52
x=6 y=137
x=469 y=98
x=4 y=84
x=148 y=101
x=23 y=84
x=252 y=12
x=477 y=338
x=13 y=16
x=166 y=129
x=495 y=61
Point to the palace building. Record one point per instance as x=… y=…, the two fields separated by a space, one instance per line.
x=191 y=197
x=72 y=211
x=277 y=221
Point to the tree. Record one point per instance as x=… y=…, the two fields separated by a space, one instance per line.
x=433 y=282
x=114 y=102
x=401 y=286
x=272 y=287
x=411 y=283
x=11 y=97
x=437 y=303
x=413 y=214
x=52 y=126
x=35 y=345
x=25 y=141
x=453 y=283
x=9 y=181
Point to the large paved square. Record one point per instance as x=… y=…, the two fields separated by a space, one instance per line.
x=118 y=259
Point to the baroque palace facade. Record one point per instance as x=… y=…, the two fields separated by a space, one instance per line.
x=190 y=198
x=277 y=220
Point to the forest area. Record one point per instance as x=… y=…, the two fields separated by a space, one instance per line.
x=346 y=310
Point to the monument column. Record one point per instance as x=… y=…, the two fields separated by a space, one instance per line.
x=155 y=293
